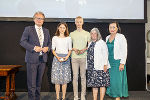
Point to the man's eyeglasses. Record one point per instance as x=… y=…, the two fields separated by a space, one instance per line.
x=39 y=18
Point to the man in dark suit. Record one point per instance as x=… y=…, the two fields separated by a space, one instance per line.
x=36 y=41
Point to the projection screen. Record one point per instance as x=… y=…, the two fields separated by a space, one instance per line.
x=92 y=9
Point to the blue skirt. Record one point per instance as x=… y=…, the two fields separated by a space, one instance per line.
x=61 y=71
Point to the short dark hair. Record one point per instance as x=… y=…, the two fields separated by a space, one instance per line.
x=117 y=24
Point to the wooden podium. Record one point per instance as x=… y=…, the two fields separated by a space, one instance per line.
x=9 y=71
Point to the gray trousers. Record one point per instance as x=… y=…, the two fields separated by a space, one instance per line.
x=34 y=79
x=79 y=63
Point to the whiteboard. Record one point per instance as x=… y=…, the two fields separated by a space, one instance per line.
x=94 y=9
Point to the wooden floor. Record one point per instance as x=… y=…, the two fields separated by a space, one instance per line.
x=134 y=95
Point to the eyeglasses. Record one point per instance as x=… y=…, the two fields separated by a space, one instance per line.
x=39 y=18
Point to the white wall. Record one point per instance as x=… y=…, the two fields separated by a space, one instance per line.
x=147 y=28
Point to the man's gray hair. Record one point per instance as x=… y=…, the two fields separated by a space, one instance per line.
x=99 y=37
x=39 y=12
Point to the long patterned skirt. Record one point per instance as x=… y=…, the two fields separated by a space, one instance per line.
x=61 y=71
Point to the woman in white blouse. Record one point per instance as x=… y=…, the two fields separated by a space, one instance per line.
x=61 y=48
x=97 y=65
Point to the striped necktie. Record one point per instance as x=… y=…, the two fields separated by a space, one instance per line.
x=40 y=36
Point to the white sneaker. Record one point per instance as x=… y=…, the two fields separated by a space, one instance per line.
x=76 y=98
x=83 y=97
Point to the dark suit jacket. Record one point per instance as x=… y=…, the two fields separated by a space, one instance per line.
x=30 y=39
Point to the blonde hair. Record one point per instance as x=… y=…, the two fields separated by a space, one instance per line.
x=78 y=17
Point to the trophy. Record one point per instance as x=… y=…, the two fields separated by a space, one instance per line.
x=62 y=59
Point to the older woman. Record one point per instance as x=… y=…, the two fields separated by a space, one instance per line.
x=97 y=64
x=117 y=48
